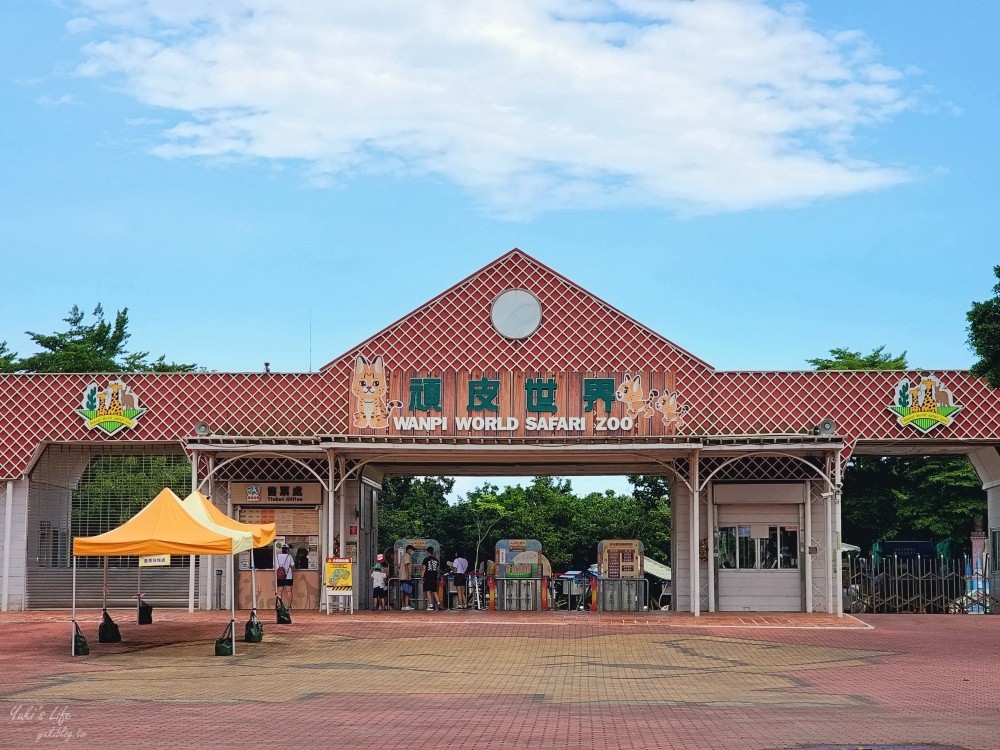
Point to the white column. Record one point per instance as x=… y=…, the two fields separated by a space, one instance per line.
x=710 y=535
x=210 y=581
x=838 y=565
x=7 y=520
x=695 y=535
x=191 y=571
x=343 y=497
x=828 y=501
x=807 y=532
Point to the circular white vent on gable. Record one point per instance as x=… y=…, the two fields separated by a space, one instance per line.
x=516 y=314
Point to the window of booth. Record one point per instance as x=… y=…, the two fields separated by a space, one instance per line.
x=741 y=549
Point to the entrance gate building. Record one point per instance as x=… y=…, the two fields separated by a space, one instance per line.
x=513 y=371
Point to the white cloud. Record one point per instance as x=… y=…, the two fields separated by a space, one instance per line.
x=56 y=101
x=530 y=105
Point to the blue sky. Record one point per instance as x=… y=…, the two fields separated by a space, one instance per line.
x=759 y=182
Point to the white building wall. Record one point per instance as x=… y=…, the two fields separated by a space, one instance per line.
x=14 y=574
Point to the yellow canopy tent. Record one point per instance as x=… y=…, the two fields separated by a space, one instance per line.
x=164 y=526
x=263 y=533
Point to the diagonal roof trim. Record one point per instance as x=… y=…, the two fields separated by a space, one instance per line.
x=499 y=261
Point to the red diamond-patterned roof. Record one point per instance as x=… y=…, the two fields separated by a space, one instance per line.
x=579 y=333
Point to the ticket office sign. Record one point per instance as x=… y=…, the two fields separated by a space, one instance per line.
x=518 y=404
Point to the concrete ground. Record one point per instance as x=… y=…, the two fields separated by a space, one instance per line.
x=505 y=680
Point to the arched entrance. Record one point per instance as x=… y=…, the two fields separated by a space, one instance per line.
x=514 y=370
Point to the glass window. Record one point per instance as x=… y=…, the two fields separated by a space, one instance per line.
x=727 y=547
x=738 y=549
x=789 y=547
x=747 y=553
x=770 y=557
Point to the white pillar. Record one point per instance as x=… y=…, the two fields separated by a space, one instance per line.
x=710 y=536
x=343 y=497
x=807 y=533
x=828 y=502
x=7 y=520
x=191 y=568
x=695 y=535
x=838 y=564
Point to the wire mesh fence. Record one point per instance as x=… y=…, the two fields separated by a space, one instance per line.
x=921 y=585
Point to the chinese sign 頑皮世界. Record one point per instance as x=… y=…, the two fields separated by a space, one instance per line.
x=514 y=404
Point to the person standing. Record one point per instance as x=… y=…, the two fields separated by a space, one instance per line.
x=379 y=588
x=405 y=578
x=430 y=570
x=460 y=567
x=283 y=565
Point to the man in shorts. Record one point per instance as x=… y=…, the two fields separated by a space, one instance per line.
x=430 y=570
x=406 y=578
x=283 y=566
x=380 y=589
x=459 y=569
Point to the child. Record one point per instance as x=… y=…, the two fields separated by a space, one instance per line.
x=380 y=592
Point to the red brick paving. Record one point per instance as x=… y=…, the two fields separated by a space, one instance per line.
x=505 y=680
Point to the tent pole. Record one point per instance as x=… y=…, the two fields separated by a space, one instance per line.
x=104 y=589
x=232 y=618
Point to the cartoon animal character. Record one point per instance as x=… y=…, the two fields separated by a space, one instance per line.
x=370 y=388
x=115 y=404
x=928 y=402
x=102 y=405
x=630 y=393
x=670 y=412
x=130 y=400
x=943 y=396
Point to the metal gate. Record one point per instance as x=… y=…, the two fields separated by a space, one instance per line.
x=921 y=585
x=86 y=490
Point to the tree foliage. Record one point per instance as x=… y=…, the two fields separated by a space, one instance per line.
x=984 y=335
x=568 y=526
x=845 y=359
x=904 y=497
x=98 y=346
x=8 y=359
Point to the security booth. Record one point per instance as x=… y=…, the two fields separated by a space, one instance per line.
x=619 y=585
x=759 y=547
x=418 y=599
x=517 y=584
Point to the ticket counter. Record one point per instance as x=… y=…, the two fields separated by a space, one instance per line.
x=295 y=511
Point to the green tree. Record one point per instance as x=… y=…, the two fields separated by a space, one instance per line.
x=476 y=516
x=95 y=347
x=845 y=359
x=8 y=359
x=984 y=335
x=414 y=508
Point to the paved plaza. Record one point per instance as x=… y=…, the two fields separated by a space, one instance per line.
x=505 y=680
